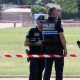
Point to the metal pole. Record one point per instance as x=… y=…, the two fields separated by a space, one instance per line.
x=18 y=2
x=78 y=5
x=0 y=10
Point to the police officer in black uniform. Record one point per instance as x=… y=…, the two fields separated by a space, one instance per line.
x=54 y=42
x=78 y=43
x=34 y=41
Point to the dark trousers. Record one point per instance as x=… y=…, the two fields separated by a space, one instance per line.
x=36 y=69
x=59 y=64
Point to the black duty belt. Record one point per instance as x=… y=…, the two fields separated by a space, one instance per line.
x=51 y=43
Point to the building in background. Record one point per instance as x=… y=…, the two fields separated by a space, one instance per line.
x=16 y=14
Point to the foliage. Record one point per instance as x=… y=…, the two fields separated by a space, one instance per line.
x=68 y=6
x=37 y=9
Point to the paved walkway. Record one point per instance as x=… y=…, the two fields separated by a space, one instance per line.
x=27 y=79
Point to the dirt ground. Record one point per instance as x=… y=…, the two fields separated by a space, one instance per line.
x=27 y=79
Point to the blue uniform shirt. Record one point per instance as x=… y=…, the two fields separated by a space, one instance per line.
x=51 y=29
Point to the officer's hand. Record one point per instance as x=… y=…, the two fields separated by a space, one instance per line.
x=65 y=52
x=39 y=43
x=27 y=59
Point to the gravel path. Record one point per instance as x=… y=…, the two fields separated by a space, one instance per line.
x=27 y=79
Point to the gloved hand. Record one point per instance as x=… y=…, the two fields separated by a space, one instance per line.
x=65 y=52
x=28 y=59
x=78 y=43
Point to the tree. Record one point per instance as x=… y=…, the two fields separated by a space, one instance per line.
x=68 y=5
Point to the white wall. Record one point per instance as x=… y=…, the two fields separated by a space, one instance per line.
x=9 y=25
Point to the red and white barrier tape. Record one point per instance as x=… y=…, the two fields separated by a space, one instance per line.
x=38 y=56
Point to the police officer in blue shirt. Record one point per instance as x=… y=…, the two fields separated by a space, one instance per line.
x=54 y=42
x=34 y=41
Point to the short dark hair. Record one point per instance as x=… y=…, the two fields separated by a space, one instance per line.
x=51 y=10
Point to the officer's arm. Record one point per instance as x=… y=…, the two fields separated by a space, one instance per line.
x=61 y=34
x=63 y=41
x=26 y=42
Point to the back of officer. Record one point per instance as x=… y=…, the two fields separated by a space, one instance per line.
x=54 y=42
x=33 y=40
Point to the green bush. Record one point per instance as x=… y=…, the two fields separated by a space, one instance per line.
x=68 y=15
x=37 y=9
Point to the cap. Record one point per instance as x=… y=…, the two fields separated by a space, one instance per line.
x=41 y=17
x=51 y=10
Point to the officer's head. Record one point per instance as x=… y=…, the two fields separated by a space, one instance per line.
x=53 y=12
x=40 y=20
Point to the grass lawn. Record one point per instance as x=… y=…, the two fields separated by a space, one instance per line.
x=12 y=39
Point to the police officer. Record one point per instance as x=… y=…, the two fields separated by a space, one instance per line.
x=78 y=43
x=34 y=41
x=54 y=42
